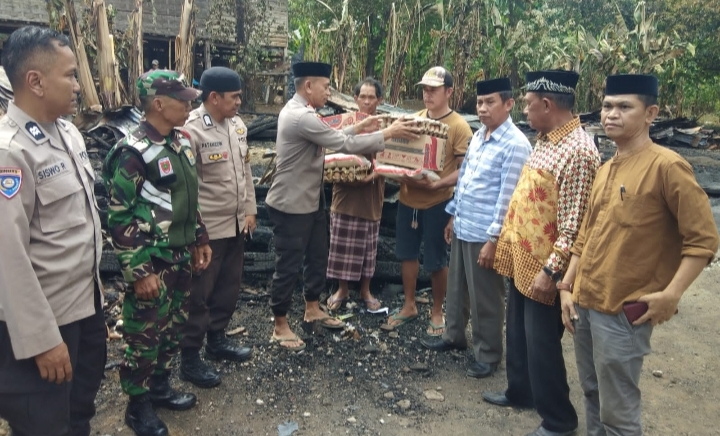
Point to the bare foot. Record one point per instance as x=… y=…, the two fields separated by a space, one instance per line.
x=437 y=325
x=316 y=314
x=285 y=337
x=337 y=300
x=371 y=303
x=405 y=312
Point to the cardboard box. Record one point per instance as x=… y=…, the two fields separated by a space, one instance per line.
x=339 y=122
x=427 y=152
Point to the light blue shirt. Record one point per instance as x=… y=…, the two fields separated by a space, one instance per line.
x=488 y=176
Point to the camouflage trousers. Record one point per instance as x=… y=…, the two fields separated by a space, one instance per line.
x=153 y=328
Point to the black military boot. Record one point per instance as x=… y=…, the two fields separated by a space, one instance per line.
x=220 y=347
x=141 y=417
x=162 y=395
x=194 y=370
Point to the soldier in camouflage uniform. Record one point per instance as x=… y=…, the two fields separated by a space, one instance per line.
x=157 y=231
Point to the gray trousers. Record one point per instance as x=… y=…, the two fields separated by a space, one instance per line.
x=477 y=292
x=609 y=353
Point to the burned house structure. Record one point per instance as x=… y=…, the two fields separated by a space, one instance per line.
x=221 y=26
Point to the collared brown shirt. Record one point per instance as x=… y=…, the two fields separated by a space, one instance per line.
x=646 y=213
x=227 y=192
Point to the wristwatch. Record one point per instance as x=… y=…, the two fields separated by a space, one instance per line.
x=493 y=239
x=555 y=276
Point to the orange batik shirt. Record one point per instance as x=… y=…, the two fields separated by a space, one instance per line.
x=547 y=207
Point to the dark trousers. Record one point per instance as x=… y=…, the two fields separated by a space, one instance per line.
x=535 y=366
x=214 y=293
x=301 y=240
x=35 y=407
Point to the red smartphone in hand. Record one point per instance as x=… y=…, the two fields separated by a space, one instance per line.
x=633 y=311
x=636 y=309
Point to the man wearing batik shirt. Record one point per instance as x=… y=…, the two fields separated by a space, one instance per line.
x=533 y=250
x=488 y=175
x=648 y=211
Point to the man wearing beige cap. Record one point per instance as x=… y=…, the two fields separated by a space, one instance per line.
x=421 y=214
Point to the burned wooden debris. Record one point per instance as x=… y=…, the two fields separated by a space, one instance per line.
x=6 y=92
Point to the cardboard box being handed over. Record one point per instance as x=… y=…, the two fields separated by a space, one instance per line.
x=427 y=152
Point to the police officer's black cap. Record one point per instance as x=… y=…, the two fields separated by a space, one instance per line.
x=311 y=69
x=553 y=81
x=639 y=84
x=220 y=79
x=492 y=86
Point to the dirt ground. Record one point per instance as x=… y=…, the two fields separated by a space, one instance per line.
x=332 y=382
x=339 y=387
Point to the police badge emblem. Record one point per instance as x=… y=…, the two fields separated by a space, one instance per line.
x=10 y=181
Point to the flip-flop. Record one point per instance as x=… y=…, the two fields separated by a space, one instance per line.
x=397 y=317
x=280 y=341
x=374 y=302
x=435 y=328
x=336 y=303
x=324 y=323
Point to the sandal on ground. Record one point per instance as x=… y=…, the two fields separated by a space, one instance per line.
x=280 y=341
x=336 y=303
x=397 y=317
x=372 y=304
x=433 y=329
x=323 y=322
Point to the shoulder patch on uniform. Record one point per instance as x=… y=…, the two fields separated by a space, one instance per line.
x=7 y=132
x=34 y=130
x=10 y=181
x=240 y=130
x=165 y=167
x=190 y=156
x=183 y=132
x=207 y=120
x=136 y=140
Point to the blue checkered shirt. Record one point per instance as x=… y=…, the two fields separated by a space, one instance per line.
x=487 y=179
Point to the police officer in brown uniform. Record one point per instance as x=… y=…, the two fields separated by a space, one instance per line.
x=52 y=330
x=227 y=200
x=296 y=202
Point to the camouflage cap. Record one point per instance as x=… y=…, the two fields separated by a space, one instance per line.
x=166 y=82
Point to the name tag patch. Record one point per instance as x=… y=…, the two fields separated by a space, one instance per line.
x=165 y=167
x=51 y=171
x=10 y=181
x=211 y=144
